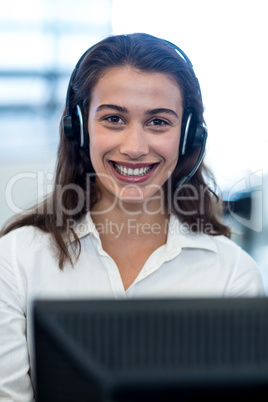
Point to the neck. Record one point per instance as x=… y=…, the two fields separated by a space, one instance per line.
x=130 y=221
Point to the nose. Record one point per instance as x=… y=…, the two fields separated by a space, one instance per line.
x=134 y=143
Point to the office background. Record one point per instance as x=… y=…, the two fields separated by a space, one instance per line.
x=226 y=40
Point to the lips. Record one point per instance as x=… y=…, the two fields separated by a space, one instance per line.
x=133 y=172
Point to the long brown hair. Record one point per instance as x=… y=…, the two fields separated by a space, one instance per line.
x=75 y=191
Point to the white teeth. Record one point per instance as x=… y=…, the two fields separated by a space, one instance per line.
x=132 y=172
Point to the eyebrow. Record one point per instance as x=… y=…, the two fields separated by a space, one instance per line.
x=114 y=107
x=149 y=112
x=161 y=110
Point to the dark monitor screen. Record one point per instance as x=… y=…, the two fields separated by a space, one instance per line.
x=151 y=350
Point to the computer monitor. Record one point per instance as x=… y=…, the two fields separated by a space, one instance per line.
x=151 y=350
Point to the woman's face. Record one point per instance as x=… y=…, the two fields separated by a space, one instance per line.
x=134 y=130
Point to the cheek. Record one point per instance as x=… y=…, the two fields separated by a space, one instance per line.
x=95 y=151
x=170 y=150
x=97 y=143
x=171 y=156
x=99 y=147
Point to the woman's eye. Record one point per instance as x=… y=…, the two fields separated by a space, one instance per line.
x=158 y=122
x=114 y=119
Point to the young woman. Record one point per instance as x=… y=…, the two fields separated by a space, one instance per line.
x=132 y=213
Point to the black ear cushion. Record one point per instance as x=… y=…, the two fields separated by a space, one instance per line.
x=193 y=135
x=76 y=126
x=73 y=126
x=199 y=143
x=200 y=136
x=67 y=125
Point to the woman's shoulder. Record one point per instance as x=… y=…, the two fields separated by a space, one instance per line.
x=203 y=238
x=228 y=246
x=22 y=238
x=225 y=243
x=229 y=250
x=22 y=250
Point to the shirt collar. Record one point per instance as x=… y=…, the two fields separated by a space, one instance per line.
x=179 y=235
x=83 y=227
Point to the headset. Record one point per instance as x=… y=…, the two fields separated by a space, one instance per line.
x=193 y=134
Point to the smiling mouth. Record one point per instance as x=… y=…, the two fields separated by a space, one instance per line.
x=133 y=172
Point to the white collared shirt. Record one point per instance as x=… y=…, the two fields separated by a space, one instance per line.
x=188 y=265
